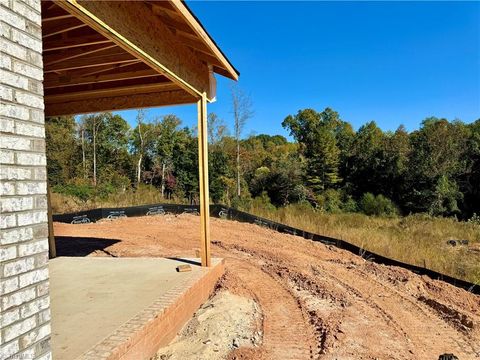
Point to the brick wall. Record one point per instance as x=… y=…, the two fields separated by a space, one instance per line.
x=24 y=294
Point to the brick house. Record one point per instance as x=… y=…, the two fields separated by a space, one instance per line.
x=70 y=57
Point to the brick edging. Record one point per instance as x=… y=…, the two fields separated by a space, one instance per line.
x=154 y=327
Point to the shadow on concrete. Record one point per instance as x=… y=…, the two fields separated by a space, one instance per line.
x=187 y=261
x=82 y=246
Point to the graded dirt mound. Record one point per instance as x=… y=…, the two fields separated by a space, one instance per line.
x=223 y=324
x=317 y=301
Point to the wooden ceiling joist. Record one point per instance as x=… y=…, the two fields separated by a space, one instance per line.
x=61 y=27
x=74 y=80
x=52 y=45
x=110 y=92
x=57 y=17
x=134 y=27
x=53 y=13
x=50 y=59
x=113 y=55
x=91 y=61
x=114 y=67
x=134 y=101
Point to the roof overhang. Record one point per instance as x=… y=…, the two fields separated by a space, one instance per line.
x=112 y=55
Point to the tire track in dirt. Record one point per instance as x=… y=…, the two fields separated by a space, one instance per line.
x=329 y=333
x=416 y=324
x=318 y=301
x=286 y=333
x=420 y=327
x=423 y=324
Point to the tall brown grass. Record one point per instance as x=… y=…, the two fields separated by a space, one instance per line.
x=415 y=239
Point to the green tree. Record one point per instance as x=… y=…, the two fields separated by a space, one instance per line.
x=363 y=174
x=107 y=141
x=438 y=158
x=61 y=147
x=316 y=133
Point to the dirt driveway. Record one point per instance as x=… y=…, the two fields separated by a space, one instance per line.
x=318 y=302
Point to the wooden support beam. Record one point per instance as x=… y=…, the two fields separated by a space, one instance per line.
x=52 y=248
x=120 y=57
x=134 y=27
x=56 y=81
x=51 y=12
x=203 y=181
x=113 y=67
x=110 y=92
x=52 y=17
x=51 y=45
x=50 y=59
x=60 y=28
x=163 y=98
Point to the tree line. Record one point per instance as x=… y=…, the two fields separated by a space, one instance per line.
x=329 y=165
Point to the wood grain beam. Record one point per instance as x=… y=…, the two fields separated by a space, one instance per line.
x=108 y=68
x=50 y=59
x=52 y=82
x=77 y=41
x=109 y=92
x=164 y=98
x=172 y=23
x=120 y=57
x=54 y=13
x=60 y=27
x=134 y=27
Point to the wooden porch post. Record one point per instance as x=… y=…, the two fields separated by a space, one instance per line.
x=203 y=181
x=52 y=249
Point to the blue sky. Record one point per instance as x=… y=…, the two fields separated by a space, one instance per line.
x=392 y=62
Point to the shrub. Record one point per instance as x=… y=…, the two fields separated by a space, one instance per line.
x=81 y=191
x=475 y=219
x=333 y=201
x=350 y=205
x=242 y=202
x=263 y=201
x=377 y=205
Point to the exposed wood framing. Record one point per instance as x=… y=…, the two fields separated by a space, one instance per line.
x=112 y=68
x=176 y=25
x=91 y=61
x=203 y=181
x=136 y=29
x=164 y=98
x=110 y=92
x=51 y=45
x=75 y=53
x=54 y=14
x=200 y=31
x=61 y=27
x=52 y=248
x=115 y=55
x=74 y=80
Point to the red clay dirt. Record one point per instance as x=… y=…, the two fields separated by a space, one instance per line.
x=318 y=302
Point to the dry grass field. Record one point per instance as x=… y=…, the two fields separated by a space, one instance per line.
x=416 y=239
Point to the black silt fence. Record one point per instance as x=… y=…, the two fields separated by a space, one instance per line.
x=220 y=211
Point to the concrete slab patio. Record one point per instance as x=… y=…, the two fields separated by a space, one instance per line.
x=123 y=308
